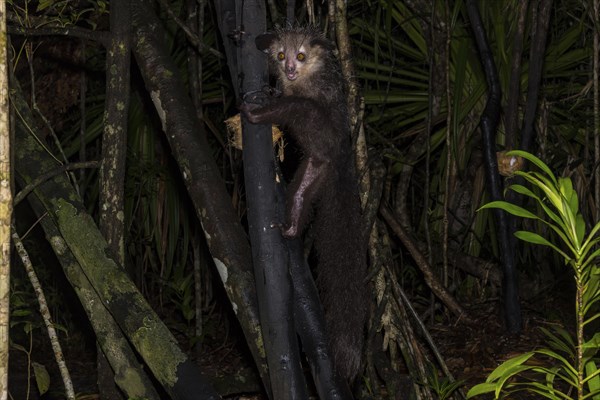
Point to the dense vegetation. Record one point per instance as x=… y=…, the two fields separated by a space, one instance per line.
x=436 y=262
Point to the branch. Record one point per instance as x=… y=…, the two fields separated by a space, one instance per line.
x=436 y=287
x=192 y=37
x=45 y=313
x=71 y=31
x=51 y=174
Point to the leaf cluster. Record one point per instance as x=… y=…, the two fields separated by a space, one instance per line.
x=579 y=369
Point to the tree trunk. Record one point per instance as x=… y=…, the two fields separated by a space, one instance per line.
x=180 y=378
x=269 y=253
x=225 y=236
x=488 y=125
x=114 y=152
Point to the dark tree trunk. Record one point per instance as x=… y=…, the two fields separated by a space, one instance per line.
x=114 y=152
x=266 y=206
x=536 y=64
x=226 y=238
x=130 y=377
x=489 y=124
x=152 y=340
x=269 y=253
x=514 y=89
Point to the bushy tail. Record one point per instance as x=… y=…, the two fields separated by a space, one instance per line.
x=341 y=273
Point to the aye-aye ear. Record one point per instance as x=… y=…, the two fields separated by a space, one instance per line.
x=322 y=42
x=264 y=41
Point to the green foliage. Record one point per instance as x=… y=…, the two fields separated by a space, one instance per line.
x=443 y=386
x=60 y=13
x=23 y=315
x=393 y=58
x=568 y=363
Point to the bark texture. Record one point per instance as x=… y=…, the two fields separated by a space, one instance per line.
x=114 y=152
x=227 y=241
x=180 y=378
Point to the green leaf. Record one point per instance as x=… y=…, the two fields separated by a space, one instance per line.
x=20 y=313
x=524 y=191
x=43 y=4
x=569 y=368
x=593 y=343
x=556 y=218
x=591 y=236
x=549 y=188
x=532 y=237
x=42 y=378
x=480 y=389
x=545 y=391
x=561 y=340
x=534 y=160
x=510 y=208
x=566 y=189
x=555 y=248
x=507 y=366
x=512 y=372
x=591 y=370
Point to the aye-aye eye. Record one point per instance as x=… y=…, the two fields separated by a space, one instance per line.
x=301 y=57
x=281 y=56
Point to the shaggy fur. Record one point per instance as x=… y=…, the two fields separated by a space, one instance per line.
x=313 y=111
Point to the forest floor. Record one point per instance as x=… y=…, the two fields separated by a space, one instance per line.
x=470 y=353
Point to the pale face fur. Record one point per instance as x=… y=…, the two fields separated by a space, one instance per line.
x=297 y=60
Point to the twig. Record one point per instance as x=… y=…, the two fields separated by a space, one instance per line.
x=45 y=312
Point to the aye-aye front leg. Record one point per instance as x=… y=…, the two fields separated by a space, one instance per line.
x=281 y=111
x=301 y=195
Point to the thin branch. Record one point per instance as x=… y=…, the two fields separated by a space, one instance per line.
x=51 y=174
x=72 y=31
x=45 y=312
x=6 y=209
x=192 y=36
x=436 y=287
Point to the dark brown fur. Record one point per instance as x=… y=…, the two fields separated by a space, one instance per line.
x=313 y=111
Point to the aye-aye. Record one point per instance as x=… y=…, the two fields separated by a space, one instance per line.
x=324 y=191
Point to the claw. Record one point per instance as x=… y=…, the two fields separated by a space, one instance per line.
x=248 y=109
x=289 y=232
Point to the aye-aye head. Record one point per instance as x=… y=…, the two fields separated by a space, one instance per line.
x=298 y=53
